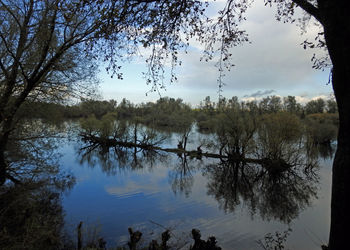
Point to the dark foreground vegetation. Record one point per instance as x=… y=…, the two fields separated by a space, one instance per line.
x=136 y=236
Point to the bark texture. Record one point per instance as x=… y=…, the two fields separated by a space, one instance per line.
x=337 y=31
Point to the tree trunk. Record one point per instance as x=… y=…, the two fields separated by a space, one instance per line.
x=2 y=168
x=4 y=138
x=340 y=206
x=3 y=162
x=337 y=32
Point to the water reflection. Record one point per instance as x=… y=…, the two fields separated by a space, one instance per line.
x=115 y=159
x=274 y=195
x=32 y=152
x=278 y=186
x=31 y=213
x=181 y=177
x=323 y=151
x=273 y=188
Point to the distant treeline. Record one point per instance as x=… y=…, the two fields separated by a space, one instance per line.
x=166 y=105
x=318 y=119
x=320 y=116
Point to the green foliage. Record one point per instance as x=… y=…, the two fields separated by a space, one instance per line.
x=290 y=105
x=125 y=110
x=270 y=104
x=89 y=107
x=205 y=122
x=48 y=112
x=207 y=105
x=277 y=132
x=166 y=113
x=322 y=128
x=104 y=127
x=107 y=125
x=280 y=126
x=332 y=106
x=235 y=130
x=90 y=124
x=315 y=106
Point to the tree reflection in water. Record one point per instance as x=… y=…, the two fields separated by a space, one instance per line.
x=31 y=214
x=273 y=188
x=273 y=193
x=324 y=151
x=276 y=188
x=115 y=159
x=181 y=177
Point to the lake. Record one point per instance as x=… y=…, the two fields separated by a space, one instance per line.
x=237 y=203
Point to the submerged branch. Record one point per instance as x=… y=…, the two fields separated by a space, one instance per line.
x=108 y=142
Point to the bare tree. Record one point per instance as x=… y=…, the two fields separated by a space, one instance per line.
x=49 y=49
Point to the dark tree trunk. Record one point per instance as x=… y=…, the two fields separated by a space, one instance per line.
x=2 y=168
x=4 y=138
x=337 y=31
x=3 y=162
x=340 y=206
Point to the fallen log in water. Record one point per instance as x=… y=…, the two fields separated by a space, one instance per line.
x=108 y=142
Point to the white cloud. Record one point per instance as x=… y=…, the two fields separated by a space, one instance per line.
x=132 y=188
x=274 y=60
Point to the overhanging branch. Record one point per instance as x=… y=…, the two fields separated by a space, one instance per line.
x=309 y=8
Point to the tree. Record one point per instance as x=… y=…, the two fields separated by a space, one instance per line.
x=332 y=106
x=208 y=105
x=290 y=104
x=39 y=42
x=315 y=106
x=275 y=104
x=49 y=49
x=332 y=17
x=270 y=104
x=38 y=36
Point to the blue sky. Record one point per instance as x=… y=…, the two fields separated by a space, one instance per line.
x=273 y=63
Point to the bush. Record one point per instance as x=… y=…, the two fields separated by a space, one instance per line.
x=104 y=127
x=278 y=133
x=321 y=128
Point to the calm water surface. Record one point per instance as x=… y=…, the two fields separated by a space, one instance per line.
x=113 y=193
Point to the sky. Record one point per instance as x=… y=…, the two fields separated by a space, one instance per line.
x=274 y=63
